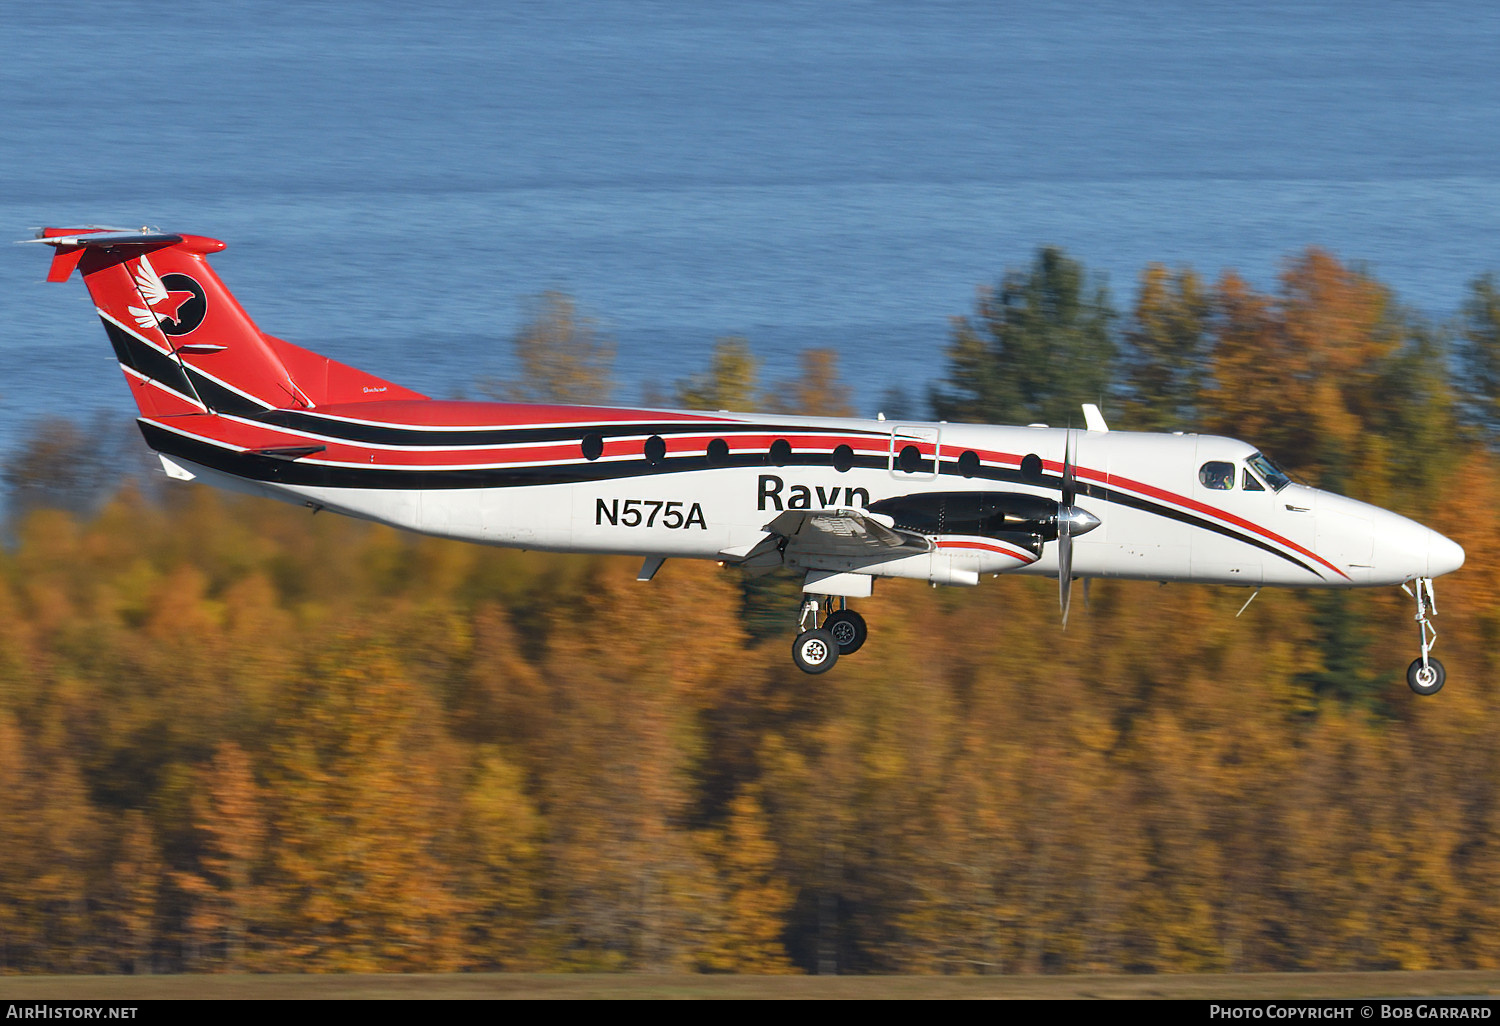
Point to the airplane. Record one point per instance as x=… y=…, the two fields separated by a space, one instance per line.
x=838 y=500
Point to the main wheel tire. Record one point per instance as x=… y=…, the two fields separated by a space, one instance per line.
x=848 y=629
x=815 y=651
x=1426 y=680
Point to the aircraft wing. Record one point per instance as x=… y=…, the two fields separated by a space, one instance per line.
x=842 y=533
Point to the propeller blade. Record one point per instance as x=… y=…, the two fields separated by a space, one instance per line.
x=1064 y=566
x=1071 y=521
x=1069 y=484
x=1065 y=530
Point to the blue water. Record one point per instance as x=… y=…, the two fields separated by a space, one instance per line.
x=395 y=179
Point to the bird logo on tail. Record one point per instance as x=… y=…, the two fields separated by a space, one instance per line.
x=175 y=302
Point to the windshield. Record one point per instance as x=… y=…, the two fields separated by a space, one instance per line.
x=1274 y=475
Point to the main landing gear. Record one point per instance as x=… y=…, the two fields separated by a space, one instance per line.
x=1425 y=675
x=816 y=648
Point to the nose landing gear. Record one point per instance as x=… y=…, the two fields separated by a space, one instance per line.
x=816 y=649
x=1425 y=675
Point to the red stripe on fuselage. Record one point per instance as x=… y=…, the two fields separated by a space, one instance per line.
x=1161 y=494
x=1200 y=507
x=245 y=434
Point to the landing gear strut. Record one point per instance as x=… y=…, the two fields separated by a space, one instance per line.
x=816 y=648
x=1425 y=675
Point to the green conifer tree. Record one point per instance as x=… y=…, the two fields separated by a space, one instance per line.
x=1036 y=347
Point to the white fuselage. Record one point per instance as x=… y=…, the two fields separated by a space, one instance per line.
x=1160 y=517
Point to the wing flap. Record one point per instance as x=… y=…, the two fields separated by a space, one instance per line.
x=845 y=533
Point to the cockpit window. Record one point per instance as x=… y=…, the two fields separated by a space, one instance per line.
x=1251 y=483
x=1217 y=475
x=1270 y=472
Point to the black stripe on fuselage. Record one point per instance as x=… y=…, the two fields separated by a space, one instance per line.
x=305 y=472
x=302 y=472
x=1123 y=498
x=398 y=435
x=1157 y=509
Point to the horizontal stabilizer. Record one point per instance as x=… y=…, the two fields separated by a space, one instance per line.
x=106 y=238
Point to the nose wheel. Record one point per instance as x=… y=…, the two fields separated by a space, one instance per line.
x=1428 y=679
x=1425 y=675
x=817 y=647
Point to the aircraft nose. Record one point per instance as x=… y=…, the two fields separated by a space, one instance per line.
x=1444 y=555
x=1406 y=549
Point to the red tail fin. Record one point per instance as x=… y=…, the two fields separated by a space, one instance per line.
x=185 y=344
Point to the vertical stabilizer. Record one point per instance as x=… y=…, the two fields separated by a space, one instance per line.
x=184 y=342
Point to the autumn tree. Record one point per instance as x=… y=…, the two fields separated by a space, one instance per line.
x=636 y=887
x=815 y=390
x=1168 y=344
x=226 y=887
x=502 y=836
x=562 y=356
x=53 y=849
x=1480 y=355
x=1254 y=388
x=360 y=874
x=755 y=895
x=1332 y=378
x=500 y=697
x=730 y=383
x=1344 y=326
x=62 y=464
x=137 y=873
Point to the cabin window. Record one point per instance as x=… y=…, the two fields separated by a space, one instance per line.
x=593 y=446
x=911 y=460
x=781 y=452
x=718 y=452
x=1031 y=468
x=968 y=464
x=1251 y=483
x=1216 y=475
x=656 y=450
x=843 y=459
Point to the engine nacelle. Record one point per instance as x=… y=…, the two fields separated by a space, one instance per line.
x=1017 y=517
